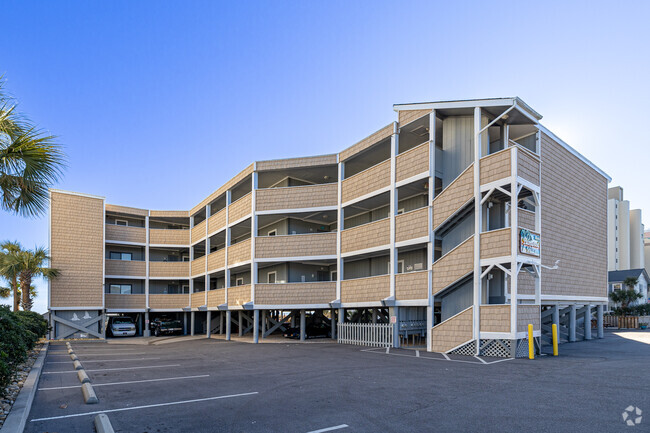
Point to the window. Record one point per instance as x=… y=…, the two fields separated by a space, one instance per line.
x=186 y=258
x=186 y=288
x=273 y=232
x=121 y=223
x=120 y=289
x=400 y=211
x=271 y=277
x=400 y=266
x=239 y=282
x=121 y=256
x=333 y=276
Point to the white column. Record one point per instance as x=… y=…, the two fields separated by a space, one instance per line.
x=228 y=320
x=302 y=325
x=477 y=226
x=263 y=323
x=339 y=228
x=333 y=323
x=432 y=238
x=208 y=323
x=394 y=312
x=556 y=320
x=253 y=236
x=192 y=322
x=599 y=311
x=588 y=322
x=226 y=247
x=572 y=323
x=394 y=148
x=241 y=323
x=184 y=323
x=256 y=326
x=146 y=331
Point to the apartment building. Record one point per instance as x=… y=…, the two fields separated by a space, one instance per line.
x=460 y=223
x=624 y=233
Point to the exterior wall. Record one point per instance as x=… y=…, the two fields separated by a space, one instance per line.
x=198 y=231
x=371 y=289
x=496 y=166
x=526 y=219
x=528 y=314
x=453 y=332
x=412 y=285
x=169 y=269
x=637 y=257
x=453 y=197
x=495 y=243
x=217 y=221
x=366 y=236
x=198 y=266
x=197 y=299
x=240 y=208
x=240 y=252
x=128 y=268
x=495 y=318
x=239 y=295
x=216 y=298
x=223 y=188
x=322 y=292
x=77 y=250
x=412 y=225
x=125 y=233
x=169 y=237
x=169 y=213
x=296 y=197
x=527 y=165
x=407 y=116
x=309 y=161
x=127 y=210
x=168 y=301
x=367 y=181
x=454 y=265
x=125 y=301
x=574 y=224
x=413 y=161
x=364 y=144
x=317 y=244
x=217 y=260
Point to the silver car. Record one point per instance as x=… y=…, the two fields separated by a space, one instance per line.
x=122 y=327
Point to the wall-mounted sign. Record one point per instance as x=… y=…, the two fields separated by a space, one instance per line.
x=529 y=243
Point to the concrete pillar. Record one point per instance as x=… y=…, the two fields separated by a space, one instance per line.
x=263 y=323
x=588 y=322
x=220 y=322
x=341 y=318
x=333 y=323
x=256 y=326
x=374 y=315
x=599 y=314
x=147 y=330
x=302 y=325
x=192 y=322
x=184 y=323
x=228 y=319
x=572 y=323
x=240 y=323
x=394 y=312
x=208 y=324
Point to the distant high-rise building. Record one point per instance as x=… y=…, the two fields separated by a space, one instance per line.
x=624 y=233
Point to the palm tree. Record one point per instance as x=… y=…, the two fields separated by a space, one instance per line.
x=9 y=268
x=32 y=264
x=626 y=297
x=30 y=161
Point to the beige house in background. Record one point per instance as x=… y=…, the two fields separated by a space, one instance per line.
x=460 y=223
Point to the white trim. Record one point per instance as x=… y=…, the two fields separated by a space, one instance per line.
x=413 y=178
x=367 y=196
x=126 y=310
x=365 y=251
x=292 y=306
x=168 y=245
x=361 y=304
x=242 y=219
x=296 y=210
x=96 y=307
x=569 y=298
x=524 y=334
x=412 y=303
x=414 y=241
x=124 y=277
x=137 y=244
x=497 y=335
x=295 y=258
x=80 y=194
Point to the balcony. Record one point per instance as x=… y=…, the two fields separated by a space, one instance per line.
x=412 y=225
x=197 y=299
x=239 y=295
x=528 y=165
x=452 y=198
x=216 y=298
x=217 y=221
x=496 y=243
x=367 y=181
x=311 y=244
x=239 y=252
x=168 y=302
x=297 y=197
x=114 y=301
x=198 y=266
x=453 y=332
x=172 y=270
x=198 y=232
x=495 y=318
x=240 y=208
x=126 y=234
x=496 y=166
x=453 y=266
x=129 y=268
x=320 y=292
x=412 y=285
x=370 y=289
x=169 y=237
x=412 y=162
x=369 y=235
x=217 y=260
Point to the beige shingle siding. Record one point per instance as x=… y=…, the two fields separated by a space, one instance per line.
x=412 y=285
x=125 y=301
x=169 y=237
x=495 y=318
x=528 y=314
x=496 y=243
x=127 y=210
x=369 y=235
x=217 y=260
x=453 y=197
x=240 y=252
x=527 y=166
x=198 y=266
x=123 y=267
x=371 y=289
x=453 y=265
x=169 y=213
x=525 y=283
x=367 y=181
x=198 y=231
x=364 y=144
x=526 y=219
x=197 y=299
x=411 y=225
x=168 y=301
x=452 y=332
x=283 y=164
x=316 y=244
x=239 y=295
x=225 y=187
x=297 y=197
x=77 y=250
x=217 y=221
x=496 y=166
x=413 y=161
x=574 y=224
x=295 y=293
x=216 y=298
x=126 y=234
x=169 y=269
x=240 y=208
x=407 y=116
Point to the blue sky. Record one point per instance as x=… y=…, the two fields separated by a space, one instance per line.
x=159 y=103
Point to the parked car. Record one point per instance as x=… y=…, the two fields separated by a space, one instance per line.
x=122 y=327
x=316 y=330
x=166 y=326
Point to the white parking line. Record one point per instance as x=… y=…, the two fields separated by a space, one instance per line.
x=112 y=369
x=447 y=358
x=104 y=354
x=336 y=427
x=126 y=383
x=144 y=407
x=104 y=360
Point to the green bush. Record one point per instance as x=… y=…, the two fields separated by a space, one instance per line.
x=13 y=345
x=35 y=325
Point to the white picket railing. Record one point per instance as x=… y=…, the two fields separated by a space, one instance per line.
x=366 y=334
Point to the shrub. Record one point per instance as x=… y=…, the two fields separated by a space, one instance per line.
x=13 y=345
x=35 y=325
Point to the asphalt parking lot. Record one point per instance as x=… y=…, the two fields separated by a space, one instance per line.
x=209 y=385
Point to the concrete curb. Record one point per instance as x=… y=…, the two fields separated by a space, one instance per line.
x=77 y=365
x=70 y=351
x=103 y=424
x=83 y=377
x=15 y=422
x=74 y=357
x=89 y=394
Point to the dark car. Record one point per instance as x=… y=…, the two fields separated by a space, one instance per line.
x=317 y=330
x=166 y=326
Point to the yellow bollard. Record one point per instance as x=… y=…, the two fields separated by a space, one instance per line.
x=531 y=342
x=554 y=339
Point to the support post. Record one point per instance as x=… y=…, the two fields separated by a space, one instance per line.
x=228 y=321
x=341 y=316
x=374 y=315
x=588 y=322
x=556 y=318
x=184 y=323
x=599 y=312
x=240 y=323
x=302 y=325
x=394 y=312
x=333 y=323
x=263 y=323
x=208 y=323
x=256 y=326
x=572 y=323
x=220 y=322
x=147 y=332
x=192 y=322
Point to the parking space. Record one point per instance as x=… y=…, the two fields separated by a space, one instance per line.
x=213 y=385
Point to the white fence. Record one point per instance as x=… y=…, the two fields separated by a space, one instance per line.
x=366 y=334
